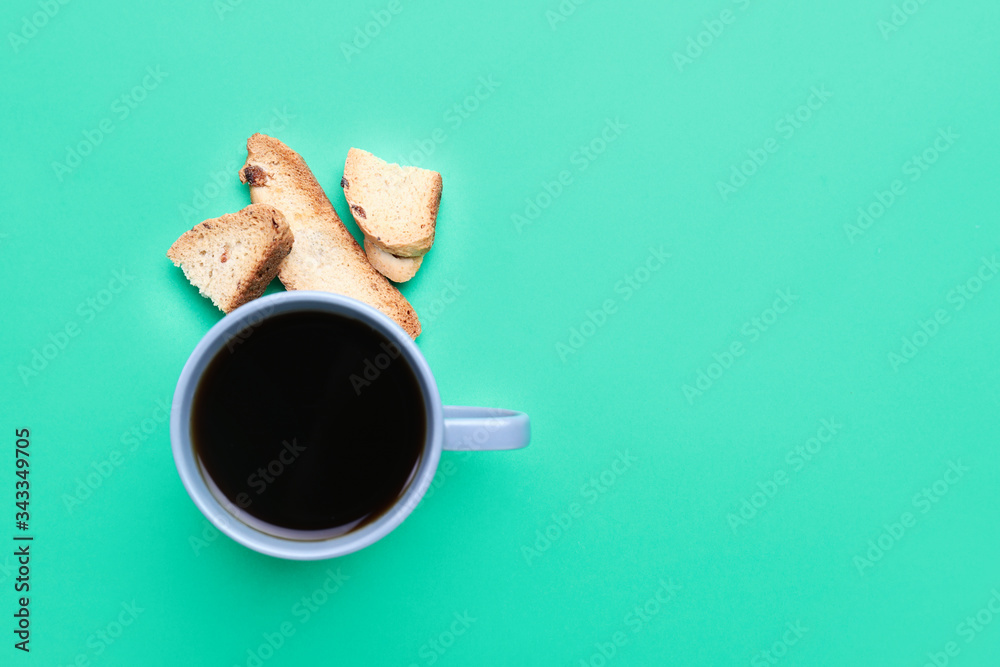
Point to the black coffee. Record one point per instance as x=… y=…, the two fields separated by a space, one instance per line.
x=309 y=421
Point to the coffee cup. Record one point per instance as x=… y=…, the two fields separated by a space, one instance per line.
x=232 y=343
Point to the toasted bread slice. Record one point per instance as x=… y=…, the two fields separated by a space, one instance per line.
x=396 y=269
x=232 y=259
x=325 y=255
x=396 y=206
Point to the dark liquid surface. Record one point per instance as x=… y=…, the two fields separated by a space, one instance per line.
x=292 y=424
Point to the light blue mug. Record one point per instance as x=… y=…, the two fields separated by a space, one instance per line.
x=448 y=427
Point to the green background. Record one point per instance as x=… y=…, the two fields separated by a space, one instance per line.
x=671 y=516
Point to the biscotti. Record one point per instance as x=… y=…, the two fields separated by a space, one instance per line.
x=396 y=208
x=231 y=259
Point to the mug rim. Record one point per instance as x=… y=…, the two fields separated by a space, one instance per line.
x=225 y=516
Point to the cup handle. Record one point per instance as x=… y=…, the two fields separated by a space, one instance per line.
x=483 y=429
